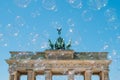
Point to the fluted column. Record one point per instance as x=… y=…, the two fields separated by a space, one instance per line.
x=16 y=75
x=101 y=75
x=104 y=75
x=31 y=75
x=87 y=75
x=71 y=75
x=48 y=75
x=34 y=75
x=11 y=77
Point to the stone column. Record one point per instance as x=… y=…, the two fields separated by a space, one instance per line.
x=104 y=75
x=31 y=75
x=11 y=77
x=101 y=74
x=87 y=75
x=16 y=75
x=34 y=75
x=48 y=75
x=71 y=74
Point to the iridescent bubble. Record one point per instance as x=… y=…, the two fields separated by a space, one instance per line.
x=1 y=35
x=114 y=52
x=56 y=24
x=9 y=25
x=44 y=45
x=109 y=57
x=5 y=45
x=49 y=5
x=118 y=37
x=35 y=38
x=12 y=30
x=20 y=21
x=70 y=23
x=45 y=34
x=70 y=30
x=22 y=3
x=69 y=33
x=97 y=4
x=35 y=14
x=76 y=40
x=16 y=34
x=110 y=15
x=105 y=47
x=75 y=3
x=87 y=15
x=117 y=60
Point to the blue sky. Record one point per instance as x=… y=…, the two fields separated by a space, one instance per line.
x=93 y=25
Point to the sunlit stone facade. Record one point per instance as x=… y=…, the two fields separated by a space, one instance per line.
x=58 y=62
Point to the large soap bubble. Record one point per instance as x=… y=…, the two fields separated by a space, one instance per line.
x=97 y=4
x=110 y=15
x=75 y=3
x=87 y=15
x=70 y=22
x=49 y=5
x=19 y=21
x=22 y=3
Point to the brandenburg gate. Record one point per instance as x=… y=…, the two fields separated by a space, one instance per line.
x=57 y=60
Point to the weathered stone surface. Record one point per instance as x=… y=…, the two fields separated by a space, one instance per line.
x=90 y=55
x=59 y=54
x=58 y=62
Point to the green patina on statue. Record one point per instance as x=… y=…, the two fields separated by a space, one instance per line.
x=59 y=44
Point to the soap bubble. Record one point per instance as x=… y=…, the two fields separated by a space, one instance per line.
x=22 y=3
x=105 y=46
x=70 y=23
x=35 y=14
x=16 y=34
x=97 y=4
x=75 y=40
x=71 y=28
x=75 y=3
x=12 y=30
x=9 y=25
x=1 y=35
x=49 y=5
x=20 y=21
x=118 y=37
x=5 y=45
x=110 y=15
x=110 y=57
x=87 y=15
x=34 y=37
x=114 y=52
x=56 y=24
x=44 y=45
